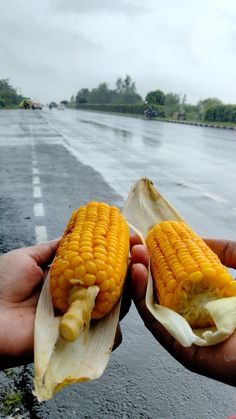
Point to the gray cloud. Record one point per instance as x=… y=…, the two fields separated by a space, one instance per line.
x=52 y=49
x=124 y=7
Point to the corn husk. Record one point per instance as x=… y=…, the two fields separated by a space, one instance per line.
x=59 y=363
x=144 y=208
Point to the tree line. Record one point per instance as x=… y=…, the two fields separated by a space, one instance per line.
x=124 y=93
x=8 y=95
x=125 y=98
x=168 y=104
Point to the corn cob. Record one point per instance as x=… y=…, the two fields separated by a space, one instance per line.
x=93 y=252
x=186 y=273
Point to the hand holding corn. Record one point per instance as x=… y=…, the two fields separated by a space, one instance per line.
x=217 y=362
x=21 y=275
x=186 y=273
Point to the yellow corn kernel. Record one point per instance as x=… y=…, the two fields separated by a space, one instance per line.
x=93 y=252
x=171 y=285
x=186 y=273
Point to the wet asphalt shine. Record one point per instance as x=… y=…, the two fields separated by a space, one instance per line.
x=53 y=161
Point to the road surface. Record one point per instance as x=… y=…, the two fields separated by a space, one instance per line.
x=53 y=161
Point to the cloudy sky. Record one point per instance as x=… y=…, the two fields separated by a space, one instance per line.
x=49 y=49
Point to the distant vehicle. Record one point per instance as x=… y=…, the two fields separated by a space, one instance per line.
x=52 y=105
x=150 y=113
x=36 y=105
x=61 y=107
x=26 y=104
x=29 y=104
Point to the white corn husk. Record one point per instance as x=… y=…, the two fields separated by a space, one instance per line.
x=59 y=363
x=144 y=208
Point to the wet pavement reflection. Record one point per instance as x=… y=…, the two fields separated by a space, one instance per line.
x=193 y=166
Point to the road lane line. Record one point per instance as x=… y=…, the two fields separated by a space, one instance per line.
x=36 y=180
x=38 y=209
x=41 y=234
x=37 y=192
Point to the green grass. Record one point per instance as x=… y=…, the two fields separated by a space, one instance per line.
x=11 y=401
x=9 y=372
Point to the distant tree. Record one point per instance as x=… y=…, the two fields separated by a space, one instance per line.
x=125 y=92
x=184 y=99
x=2 y=103
x=190 y=111
x=119 y=85
x=125 y=86
x=72 y=99
x=128 y=85
x=64 y=102
x=8 y=94
x=222 y=113
x=156 y=97
x=205 y=104
x=172 y=99
x=82 y=96
x=101 y=94
x=211 y=101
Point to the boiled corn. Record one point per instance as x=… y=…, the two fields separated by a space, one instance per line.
x=93 y=252
x=186 y=273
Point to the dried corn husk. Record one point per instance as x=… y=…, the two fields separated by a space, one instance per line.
x=144 y=208
x=59 y=363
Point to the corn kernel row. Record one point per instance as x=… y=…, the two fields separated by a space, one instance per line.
x=183 y=266
x=93 y=251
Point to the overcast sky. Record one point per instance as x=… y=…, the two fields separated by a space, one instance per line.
x=49 y=49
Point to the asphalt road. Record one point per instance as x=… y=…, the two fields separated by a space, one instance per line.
x=52 y=162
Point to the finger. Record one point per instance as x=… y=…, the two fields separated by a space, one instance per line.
x=139 y=286
x=139 y=254
x=139 y=279
x=43 y=253
x=126 y=297
x=134 y=239
x=225 y=250
x=118 y=338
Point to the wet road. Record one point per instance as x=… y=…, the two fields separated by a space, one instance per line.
x=193 y=166
x=51 y=162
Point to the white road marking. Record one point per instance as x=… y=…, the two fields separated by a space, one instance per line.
x=41 y=234
x=36 y=180
x=38 y=209
x=37 y=192
x=35 y=162
x=35 y=171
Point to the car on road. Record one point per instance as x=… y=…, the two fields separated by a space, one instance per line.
x=150 y=113
x=61 y=107
x=36 y=105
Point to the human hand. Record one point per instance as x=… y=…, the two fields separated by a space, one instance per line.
x=21 y=277
x=126 y=301
x=218 y=361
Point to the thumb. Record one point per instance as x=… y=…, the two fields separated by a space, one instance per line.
x=43 y=253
